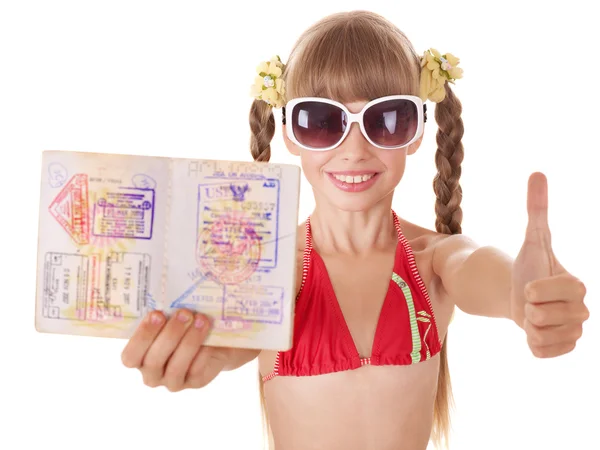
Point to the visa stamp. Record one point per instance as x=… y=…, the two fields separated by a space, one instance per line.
x=95 y=295
x=70 y=208
x=127 y=283
x=65 y=286
x=125 y=213
x=207 y=297
x=253 y=303
x=77 y=289
x=246 y=212
x=228 y=250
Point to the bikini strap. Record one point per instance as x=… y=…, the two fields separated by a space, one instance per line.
x=413 y=267
x=397 y=225
x=306 y=255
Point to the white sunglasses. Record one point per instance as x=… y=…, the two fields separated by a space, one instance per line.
x=321 y=124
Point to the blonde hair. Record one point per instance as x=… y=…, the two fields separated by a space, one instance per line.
x=360 y=55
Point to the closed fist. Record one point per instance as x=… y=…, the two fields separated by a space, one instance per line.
x=554 y=314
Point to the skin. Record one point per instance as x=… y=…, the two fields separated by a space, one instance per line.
x=378 y=407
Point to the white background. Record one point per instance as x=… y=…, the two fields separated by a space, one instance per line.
x=172 y=79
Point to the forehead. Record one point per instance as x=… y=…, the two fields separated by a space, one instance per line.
x=355 y=106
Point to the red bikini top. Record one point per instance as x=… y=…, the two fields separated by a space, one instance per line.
x=406 y=332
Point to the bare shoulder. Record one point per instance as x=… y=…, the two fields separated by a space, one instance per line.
x=435 y=252
x=441 y=246
x=420 y=238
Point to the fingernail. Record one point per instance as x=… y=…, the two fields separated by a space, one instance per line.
x=155 y=318
x=183 y=316
x=199 y=322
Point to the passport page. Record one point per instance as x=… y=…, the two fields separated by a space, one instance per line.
x=121 y=235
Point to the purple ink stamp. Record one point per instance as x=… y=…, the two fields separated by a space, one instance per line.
x=126 y=213
x=228 y=250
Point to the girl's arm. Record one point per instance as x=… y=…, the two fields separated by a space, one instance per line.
x=534 y=290
x=477 y=279
x=236 y=357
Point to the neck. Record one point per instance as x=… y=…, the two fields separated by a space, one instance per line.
x=353 y=232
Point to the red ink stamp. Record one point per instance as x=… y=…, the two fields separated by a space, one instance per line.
x=70 y=208
x=228 y=250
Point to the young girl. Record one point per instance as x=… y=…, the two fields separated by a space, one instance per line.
x=368 y=367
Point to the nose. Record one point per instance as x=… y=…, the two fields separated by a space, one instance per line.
x=355 y=147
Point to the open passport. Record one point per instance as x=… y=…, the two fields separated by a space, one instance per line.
x=121 y=235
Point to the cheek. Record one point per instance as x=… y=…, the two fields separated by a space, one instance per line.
x=394 y=161
x=313 y=162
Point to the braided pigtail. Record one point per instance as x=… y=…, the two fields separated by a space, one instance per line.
x=262 y=127
x=268 y=91
x=448 y=159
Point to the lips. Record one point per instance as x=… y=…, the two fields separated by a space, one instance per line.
x=353 y=181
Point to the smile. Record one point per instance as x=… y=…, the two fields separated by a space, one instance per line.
x=353 y=178
x=353 y=181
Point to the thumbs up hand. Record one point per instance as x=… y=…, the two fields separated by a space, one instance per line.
x=546 y=300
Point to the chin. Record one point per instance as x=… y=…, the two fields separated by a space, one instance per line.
x=355 y=202
x=352 y=206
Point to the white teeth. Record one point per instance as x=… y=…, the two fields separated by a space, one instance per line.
x=353 y=179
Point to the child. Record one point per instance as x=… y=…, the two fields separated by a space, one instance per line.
x=376 y=293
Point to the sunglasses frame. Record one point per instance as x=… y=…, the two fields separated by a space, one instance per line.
x=356 y=117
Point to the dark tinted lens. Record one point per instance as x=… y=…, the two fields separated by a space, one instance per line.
x=392 y=123
x=318 y=125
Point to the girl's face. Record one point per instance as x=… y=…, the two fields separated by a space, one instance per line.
x=355 y=175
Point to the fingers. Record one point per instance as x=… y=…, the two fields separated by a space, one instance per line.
x=562 y=287
x=555 y=313
x=553 y=351
x=552 y=335
x=135 y=350
x=189 y=350
x=155 y=360
x=163 y=350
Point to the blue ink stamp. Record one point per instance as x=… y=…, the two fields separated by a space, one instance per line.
x=127 y=213
x=57 y=175
x=242 y=212
x=150 y=302
x=65 y=278
x=239 y=191
x=252 y=303
x=188 y=298
x=143 y=181
x=201 y=297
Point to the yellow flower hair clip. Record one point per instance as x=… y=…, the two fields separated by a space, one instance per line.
x=268 y=85
x=436 y=69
